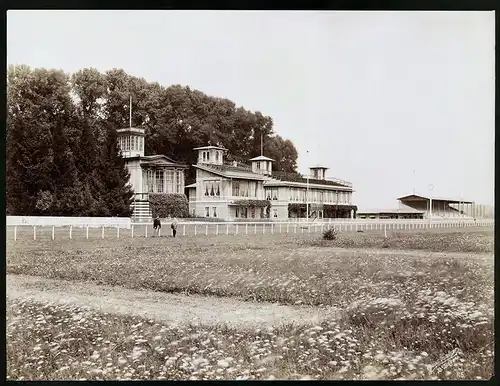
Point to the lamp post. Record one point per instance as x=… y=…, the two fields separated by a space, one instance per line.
x=307 y=193
x=431 y=188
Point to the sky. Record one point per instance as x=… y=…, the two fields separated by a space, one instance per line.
x=391 y=101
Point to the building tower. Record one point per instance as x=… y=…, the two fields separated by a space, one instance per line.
x=212 y=155
x=262 y=165
x=318 y=172
x=131 y=142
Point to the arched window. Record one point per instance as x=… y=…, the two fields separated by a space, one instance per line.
x=217 y=156
x=204 y=156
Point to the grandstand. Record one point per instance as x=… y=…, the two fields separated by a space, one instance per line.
x=441 y=207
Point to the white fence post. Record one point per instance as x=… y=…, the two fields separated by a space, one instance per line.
x=132 y=231
x=236 y=232
x=206 y=230
x=15 y=233
x=184 y=230
x=118 y=232
x=255 y=228
x=53 y=232
x=227 y=229
x=272 y=228
x=294 y=228
x=195 y=229
x=146 y=232
x=217 y=229
x=246 y=229
x=70 y=231
x=34 y=232
x=87 y=232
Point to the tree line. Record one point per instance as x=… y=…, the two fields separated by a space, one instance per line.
x=62 y=157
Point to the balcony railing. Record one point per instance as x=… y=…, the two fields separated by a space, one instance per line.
x=141 y=196
x=295 y=177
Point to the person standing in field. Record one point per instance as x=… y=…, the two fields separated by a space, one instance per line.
x=174 y=226
x=157 y=225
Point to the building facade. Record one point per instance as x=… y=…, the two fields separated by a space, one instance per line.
x=232 y=191
x=148 y=174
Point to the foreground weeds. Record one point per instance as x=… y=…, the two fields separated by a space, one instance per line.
x=288 y=275
x=475 y=241
x=62 y=342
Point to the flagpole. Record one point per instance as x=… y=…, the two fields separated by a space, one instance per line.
x=130 y=113
x=307 y=194
x=413 y=181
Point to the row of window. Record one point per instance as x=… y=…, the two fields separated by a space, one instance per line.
x=254 y=212
x=206 y=156
x=249 y=189
x=207 y=211
x=162 y=181
x=315 y=195
x=131 y=143
x=211 y=188
x=244 y=188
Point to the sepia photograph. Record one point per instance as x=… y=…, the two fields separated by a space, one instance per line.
x=250 y=195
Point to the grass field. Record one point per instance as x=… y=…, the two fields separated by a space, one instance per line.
x=406 y=302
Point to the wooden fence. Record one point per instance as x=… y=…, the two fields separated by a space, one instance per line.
x=235 y=228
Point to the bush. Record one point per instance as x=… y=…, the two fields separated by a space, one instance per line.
x=169 y=204
x=330 y=234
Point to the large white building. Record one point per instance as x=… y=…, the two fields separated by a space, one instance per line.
x=232 y=191
x=148 y=174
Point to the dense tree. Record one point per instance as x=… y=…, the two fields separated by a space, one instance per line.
x=37 y=104
x=115 y=178
x=284 y=153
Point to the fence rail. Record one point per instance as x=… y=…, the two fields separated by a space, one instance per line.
x=35 y=232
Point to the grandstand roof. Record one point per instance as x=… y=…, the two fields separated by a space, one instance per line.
x=418 y=197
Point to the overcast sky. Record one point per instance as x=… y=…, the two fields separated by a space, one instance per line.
x=372 y=95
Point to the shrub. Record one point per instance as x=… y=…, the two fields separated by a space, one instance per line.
x=330 y=234
x=169 y=204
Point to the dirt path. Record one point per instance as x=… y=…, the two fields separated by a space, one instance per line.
x=163 y=307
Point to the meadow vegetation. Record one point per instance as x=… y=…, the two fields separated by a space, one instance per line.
x=401 y=311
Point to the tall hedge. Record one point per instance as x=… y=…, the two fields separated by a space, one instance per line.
x=168 y=204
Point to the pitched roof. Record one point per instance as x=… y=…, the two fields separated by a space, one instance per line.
x=160 y=160
x=231 y=171
x=261 y=158
x=418 y=197
x=318 y=167
x=209 y=147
